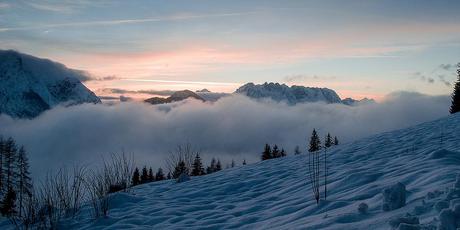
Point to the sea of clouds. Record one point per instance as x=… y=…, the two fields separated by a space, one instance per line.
x=234 y=127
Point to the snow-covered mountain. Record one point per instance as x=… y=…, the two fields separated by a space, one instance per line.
x=30 y=85
x=276 y=194
x=291 y=95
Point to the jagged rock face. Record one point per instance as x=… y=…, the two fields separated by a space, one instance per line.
x=29 y=85
x=177 y=96
x=291 y=95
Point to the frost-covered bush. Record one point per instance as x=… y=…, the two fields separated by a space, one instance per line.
x=396 y=222
x=447 y=220
x=440 y=205
x=363 y=208
x=394 y=197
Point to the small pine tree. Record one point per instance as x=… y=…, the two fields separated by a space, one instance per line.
x=328 y=141
x=244 y=162
x=144 y=175
x=169 y=177
x=24 y=180
x=455 y=107
x=179 y=169
x=276 y=152
x=233 y=164
x=315 y=143
x=160 y=175
x=267 y=153
x=282 y=153
x=297 y=150
x=336 y=141
x=218 y=166
x=151 y=176
x=136 y=177
x=197 y=167
x=212 y=167
x=9 y=203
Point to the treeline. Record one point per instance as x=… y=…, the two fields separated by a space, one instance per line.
x=183 y=162
x=270 y=153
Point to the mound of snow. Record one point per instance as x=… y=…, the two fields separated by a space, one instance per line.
x=394 y=197
x=444 y=153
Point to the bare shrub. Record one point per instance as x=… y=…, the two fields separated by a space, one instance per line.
x=185 y=153
x=114 y=176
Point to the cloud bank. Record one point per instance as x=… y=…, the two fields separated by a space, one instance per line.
x=234 y=127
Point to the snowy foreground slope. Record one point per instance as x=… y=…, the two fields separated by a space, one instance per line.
x=276 y=194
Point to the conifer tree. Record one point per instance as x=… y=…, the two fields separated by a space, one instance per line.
x=136 y=177
x=244 y=162
x=233 y=164
x=282 y=153
x=315 y=143
x=267 y=153
x=179 y=169
x=160 y=175
x=151 y=176
x=336 y=141
x=169 y=176
x=144 y=175
x=24 y=180
x=328 y=141
x=455 y=107
x=212 y=167
x=276 y=152
x=9 y=203
x=9 y=162
x=297 y=150
x=197 y=167
x=218 y=166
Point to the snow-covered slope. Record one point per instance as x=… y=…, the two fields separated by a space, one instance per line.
x=291 y=95
x=276 y=194
x=30 y=85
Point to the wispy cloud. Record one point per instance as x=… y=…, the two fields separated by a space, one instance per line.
x=126 y=21
x=183 y=82
x=4 y=5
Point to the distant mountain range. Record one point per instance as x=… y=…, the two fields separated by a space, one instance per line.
x=30 y=85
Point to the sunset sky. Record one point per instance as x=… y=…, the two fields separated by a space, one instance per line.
x=358 y=48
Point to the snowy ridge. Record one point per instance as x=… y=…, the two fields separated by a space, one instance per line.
x=291 y=95
x=275 y=194
x=30 y=85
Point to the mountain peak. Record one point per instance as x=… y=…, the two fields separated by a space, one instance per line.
x=31 y=85
x=176 y=96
